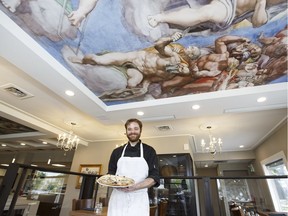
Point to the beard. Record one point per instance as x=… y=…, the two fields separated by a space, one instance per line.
x=133 y=137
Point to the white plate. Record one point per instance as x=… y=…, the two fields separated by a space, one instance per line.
x=114 y=186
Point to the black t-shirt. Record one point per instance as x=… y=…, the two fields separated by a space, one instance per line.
x=149 y=155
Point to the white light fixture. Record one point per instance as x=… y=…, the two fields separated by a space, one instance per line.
x=59 y=165
x=68 y=141
x=140 y=113
x=13 y=160
x=195 y=107
x=261 y=99
x=49 y=161
x=214 y=144
x=69 y=93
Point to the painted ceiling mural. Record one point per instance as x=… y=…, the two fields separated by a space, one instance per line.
x=127 y=51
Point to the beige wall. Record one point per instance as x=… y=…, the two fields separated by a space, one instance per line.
x=2 y=172
x=274 y=144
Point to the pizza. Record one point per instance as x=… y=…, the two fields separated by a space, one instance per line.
x=115 y=181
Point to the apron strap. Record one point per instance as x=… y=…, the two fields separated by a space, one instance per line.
x=122 y=155
x=141 y=150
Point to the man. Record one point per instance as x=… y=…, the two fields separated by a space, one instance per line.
x=157 y=63
x=230 y=53
x=154 y=64
x=138 y=161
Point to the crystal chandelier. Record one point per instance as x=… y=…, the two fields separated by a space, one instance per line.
x=68 y=141
x=215 y=144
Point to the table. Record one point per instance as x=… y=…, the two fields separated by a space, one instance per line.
x=86 y=212
x=21 y=203
x=23 y=206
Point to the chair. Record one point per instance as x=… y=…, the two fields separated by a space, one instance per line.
x=153 y=209
x=236 y=211
x=82 y=204
x=162 y=208
x=103 y=200
x=31 y=209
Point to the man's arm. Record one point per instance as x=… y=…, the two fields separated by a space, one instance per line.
x=84 y=8
x=112 y=166
x=161 y=44
x=146 y=183
x=222 y=42
x=260 y=16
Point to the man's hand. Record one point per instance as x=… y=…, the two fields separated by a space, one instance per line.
x=129 y=189
x=75 y=17
x=176 y=36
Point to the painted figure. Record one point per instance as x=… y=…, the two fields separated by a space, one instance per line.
x=157 y=63
x=49 y=18
x=220 y=14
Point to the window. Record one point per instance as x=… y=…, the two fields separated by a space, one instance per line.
x=45 y=183
x=276 y=165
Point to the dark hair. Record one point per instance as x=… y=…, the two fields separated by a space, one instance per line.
x=133 y=120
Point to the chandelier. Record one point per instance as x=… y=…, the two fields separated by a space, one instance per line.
x=68 y=141
x=214 y=144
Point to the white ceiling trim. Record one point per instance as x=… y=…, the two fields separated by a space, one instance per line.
x=28 y=119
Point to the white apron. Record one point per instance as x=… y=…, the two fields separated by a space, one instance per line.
x=130 y=203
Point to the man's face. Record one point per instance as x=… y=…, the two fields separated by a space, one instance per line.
x=255 y=50
x=183 y=69
x=133 y=132
x=192 y=51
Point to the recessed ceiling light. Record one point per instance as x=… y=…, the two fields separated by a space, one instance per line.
x=140 y=113
x=196 y=106
x=59 y=165
x=69 y=93
x=206 y=165
x=34 y=165
x=241 y=146
x=44 y=142
x=23 y=144
x=4 y=164
x=261 y=99
x=3 y=145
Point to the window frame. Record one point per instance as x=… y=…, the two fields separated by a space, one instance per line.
x=271 y=182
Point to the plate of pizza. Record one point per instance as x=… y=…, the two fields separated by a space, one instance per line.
x=115 y=181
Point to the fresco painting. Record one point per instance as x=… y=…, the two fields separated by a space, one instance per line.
x=126 y=51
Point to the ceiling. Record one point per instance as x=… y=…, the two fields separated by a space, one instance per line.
x=235 y=115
